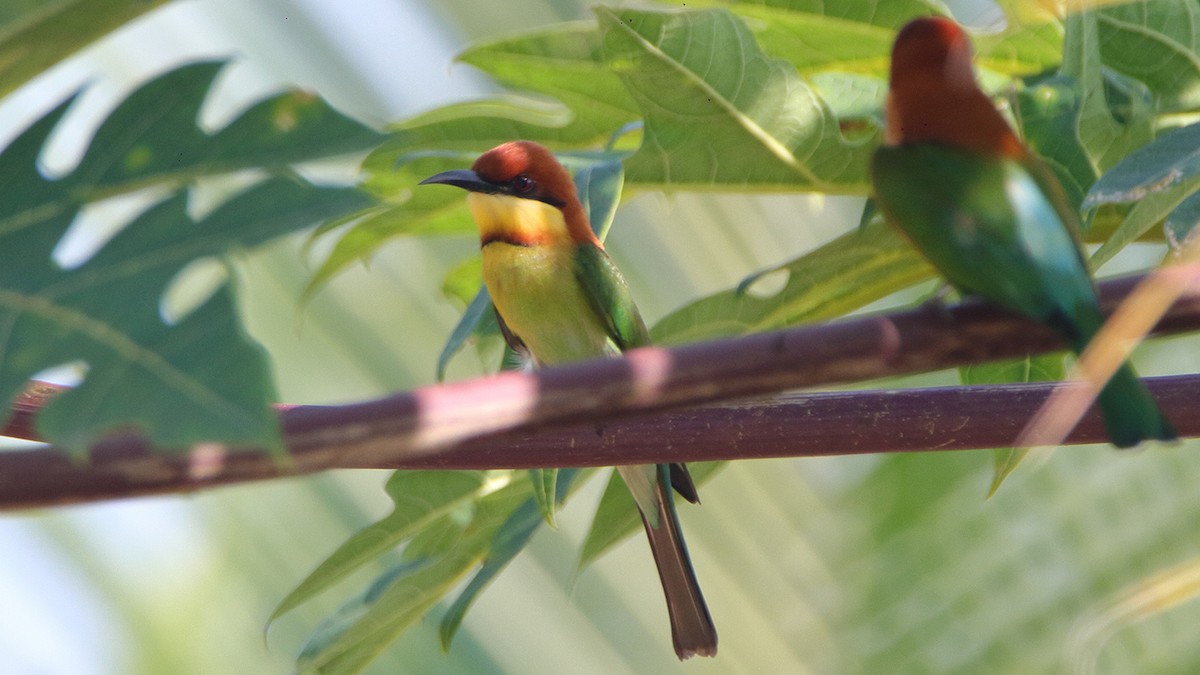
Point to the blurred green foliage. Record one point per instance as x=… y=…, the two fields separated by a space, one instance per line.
x=1079 y=562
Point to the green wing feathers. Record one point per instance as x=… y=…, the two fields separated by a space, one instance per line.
x=606 y=290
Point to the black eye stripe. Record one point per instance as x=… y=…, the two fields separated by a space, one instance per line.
x=523 y=184
x=524 y=187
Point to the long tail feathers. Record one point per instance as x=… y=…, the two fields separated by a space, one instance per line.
x=1130 y=412
x=692 y=628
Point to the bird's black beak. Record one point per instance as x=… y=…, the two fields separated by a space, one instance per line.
x=463 y=178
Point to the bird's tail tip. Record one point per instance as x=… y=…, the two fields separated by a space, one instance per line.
x=685 y=653
x=1130 y=413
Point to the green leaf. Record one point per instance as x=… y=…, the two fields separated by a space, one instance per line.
x=617 y=515
x=857 y=37
x=1052 y=116
x=39 y=34
x=1046 y=368
x=441 y=535
x=599 y=178
x=357 y=633
x=420 y=498
x=1181 y=225
x=1048 y=112
x=509 y=541
x=344 y=619
x=404 y=596
x=1086 y=118
x=512 y=538
x=719 y=113
x=544 y=482
x=851 y=271
x=1159 y=177
x=616 y=518
x=1023 y=12
x=463 y=281
x=562 y=62
x=1171 y=159
x=197 y=378
x=481 y=123
x=1158 y=44
x=844 y=49
x=1143 y=217
x=886 y=13
x=406 y=209
x=1023 y=49
x=153 y=135
x=489 y=531
x=856 y=100
x=477 y=323
x=815 y=41
x=1115 y=112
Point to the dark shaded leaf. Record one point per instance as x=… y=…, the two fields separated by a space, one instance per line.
x=199 y=378
x=1182 y=222
x=1170 y=160
x=153 y=135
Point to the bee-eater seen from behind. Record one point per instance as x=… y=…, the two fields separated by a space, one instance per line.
x=988 y=214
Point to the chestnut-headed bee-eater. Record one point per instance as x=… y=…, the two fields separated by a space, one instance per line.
x=989 y=215
x=560 y=298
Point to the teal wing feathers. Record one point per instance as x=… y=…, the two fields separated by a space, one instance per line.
x=1052 y=190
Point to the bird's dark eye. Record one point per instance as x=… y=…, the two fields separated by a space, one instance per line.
x=523 y=184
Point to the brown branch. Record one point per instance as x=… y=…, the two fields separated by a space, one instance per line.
x=609 y=412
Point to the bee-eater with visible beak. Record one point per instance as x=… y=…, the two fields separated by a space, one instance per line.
x=987 y=214
x=560 y=298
